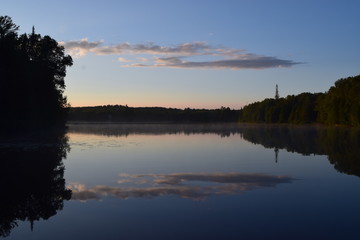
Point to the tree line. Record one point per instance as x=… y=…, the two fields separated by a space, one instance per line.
x=292 y=109
x=120 y=113
x=32 y=71
x=340 y=105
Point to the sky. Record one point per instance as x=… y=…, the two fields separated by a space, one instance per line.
x=196 y=53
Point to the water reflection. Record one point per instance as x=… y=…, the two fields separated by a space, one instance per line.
x=113 y=129
x=32 y=178
x=341 y=145
x=196 y=186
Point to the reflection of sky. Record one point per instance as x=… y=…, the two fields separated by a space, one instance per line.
x=184 y=185
x=97 y=159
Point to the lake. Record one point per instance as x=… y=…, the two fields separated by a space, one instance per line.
x=164 y=181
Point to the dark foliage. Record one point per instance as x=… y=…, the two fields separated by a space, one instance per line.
x=32 y=71
x=118 y=113
x=339 y=106
x=297 y=109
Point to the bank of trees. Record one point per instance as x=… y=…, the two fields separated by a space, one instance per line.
x=119 y=113
x=339 y=106
x=32 y=71
x=296 y=109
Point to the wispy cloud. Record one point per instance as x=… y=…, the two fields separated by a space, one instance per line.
x=121 y=59
x=184 y=49
x=178 y=56
x=255 y=62
x=80 y=48
x=184 y=185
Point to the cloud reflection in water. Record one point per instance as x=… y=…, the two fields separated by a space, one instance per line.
x=196 y=186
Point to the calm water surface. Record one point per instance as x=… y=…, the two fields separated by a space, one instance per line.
x=110 y=181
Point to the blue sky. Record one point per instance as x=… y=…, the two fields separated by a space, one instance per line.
x=197 y=54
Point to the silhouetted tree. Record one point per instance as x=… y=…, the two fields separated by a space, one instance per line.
x=32 y=72
x=7 y=27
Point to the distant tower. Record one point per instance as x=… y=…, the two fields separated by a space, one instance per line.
x=277 y=92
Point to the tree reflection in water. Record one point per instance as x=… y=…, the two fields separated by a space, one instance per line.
x=340 y=144
x=32 y=178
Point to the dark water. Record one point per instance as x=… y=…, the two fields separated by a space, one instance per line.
x=182 y=182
